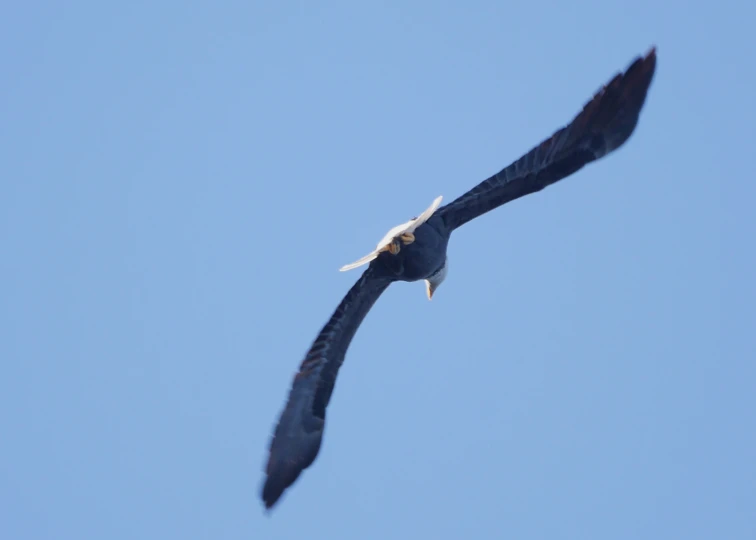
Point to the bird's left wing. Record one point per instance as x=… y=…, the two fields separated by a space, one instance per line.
x=604 y=124
x=297 y=437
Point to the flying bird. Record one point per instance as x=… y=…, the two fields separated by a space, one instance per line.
x=416 y=250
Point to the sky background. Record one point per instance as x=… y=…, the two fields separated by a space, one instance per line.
x=182 y=180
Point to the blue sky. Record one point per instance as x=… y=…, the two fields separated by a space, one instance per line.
x=182 y=180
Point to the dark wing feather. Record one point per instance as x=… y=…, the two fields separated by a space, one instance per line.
x=603 y=125
x=299 y=432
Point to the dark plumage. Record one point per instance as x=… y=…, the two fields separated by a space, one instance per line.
x=603 y=125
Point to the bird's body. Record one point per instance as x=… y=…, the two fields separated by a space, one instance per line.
x=421 y=258
x=416 y=250
x=427 y=254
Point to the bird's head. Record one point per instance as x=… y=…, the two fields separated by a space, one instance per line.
x=432 y=283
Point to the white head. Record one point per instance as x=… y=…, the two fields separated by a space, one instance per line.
x=432 y=283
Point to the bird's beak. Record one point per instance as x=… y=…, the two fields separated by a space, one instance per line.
x=429 y=289
x=432 y=282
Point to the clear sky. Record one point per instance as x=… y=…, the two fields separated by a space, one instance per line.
x=182 y=180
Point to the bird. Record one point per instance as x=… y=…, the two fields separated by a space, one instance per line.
x=416 y=250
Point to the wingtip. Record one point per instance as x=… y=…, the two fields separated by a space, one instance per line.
x=270 y=494
x=648 y=66
x=647 y=62
x=651 y=56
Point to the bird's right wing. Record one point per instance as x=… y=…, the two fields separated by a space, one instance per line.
x=604 y=124
x=299 y=432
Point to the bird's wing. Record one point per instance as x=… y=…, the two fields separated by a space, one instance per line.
x=603 y=125
x=297 y=436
